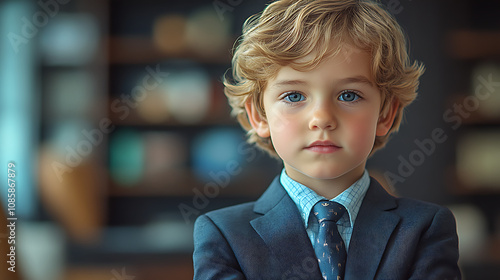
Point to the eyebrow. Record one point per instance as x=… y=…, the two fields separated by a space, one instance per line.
x=280 y=83
x=349 y=80
x=357 y=80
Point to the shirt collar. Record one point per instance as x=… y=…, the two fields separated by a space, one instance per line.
x=305 y=198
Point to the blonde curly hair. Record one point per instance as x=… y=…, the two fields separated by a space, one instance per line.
x=289 y=30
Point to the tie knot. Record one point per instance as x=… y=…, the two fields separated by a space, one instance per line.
x=328 y=211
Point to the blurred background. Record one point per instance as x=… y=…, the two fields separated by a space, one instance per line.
x=113 y=115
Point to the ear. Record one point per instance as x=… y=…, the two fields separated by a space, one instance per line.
x=258 y=122
x=385 y=121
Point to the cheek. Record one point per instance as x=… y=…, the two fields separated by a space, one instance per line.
x=284 y=128
x=282 y=123
x=363 y=132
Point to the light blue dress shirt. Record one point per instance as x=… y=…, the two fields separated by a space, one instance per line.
x=305 y=199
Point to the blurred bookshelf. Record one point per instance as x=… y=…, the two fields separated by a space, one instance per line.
x=137 y=102
x=152 y=69
x=173 y=142
x=474 y=46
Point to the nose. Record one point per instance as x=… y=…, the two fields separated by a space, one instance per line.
x=323 y=117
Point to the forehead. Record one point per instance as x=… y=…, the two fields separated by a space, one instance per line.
x=342 y=63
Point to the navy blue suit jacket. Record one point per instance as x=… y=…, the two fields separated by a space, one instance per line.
x=393 y=238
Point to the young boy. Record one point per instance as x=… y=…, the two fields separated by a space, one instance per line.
x=321 y=84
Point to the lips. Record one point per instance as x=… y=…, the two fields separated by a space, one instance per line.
x=323 y=147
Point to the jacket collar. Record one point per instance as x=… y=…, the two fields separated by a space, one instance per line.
x=270 y=198
x=283 y=231
x=281 y=228
x=371 y=233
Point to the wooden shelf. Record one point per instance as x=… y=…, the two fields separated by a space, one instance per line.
x=141 y=50
x=457 y=187
x=242 y=185
x=478 y=118
x=473 y=44
x=135 y=121
x=475 y=117
x=166 y=185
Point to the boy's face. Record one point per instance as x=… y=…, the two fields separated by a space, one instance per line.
x=323 y=122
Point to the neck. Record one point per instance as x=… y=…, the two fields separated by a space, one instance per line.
x=326 y=187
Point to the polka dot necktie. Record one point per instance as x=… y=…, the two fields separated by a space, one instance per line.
x=329 y=246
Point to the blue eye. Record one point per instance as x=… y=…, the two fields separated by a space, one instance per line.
x=348 y=96
x=294 y=97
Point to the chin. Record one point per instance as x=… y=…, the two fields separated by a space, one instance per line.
x=325 y=174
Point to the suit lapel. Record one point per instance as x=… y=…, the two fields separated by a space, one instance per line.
x=283 y=231
x=372 y=230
